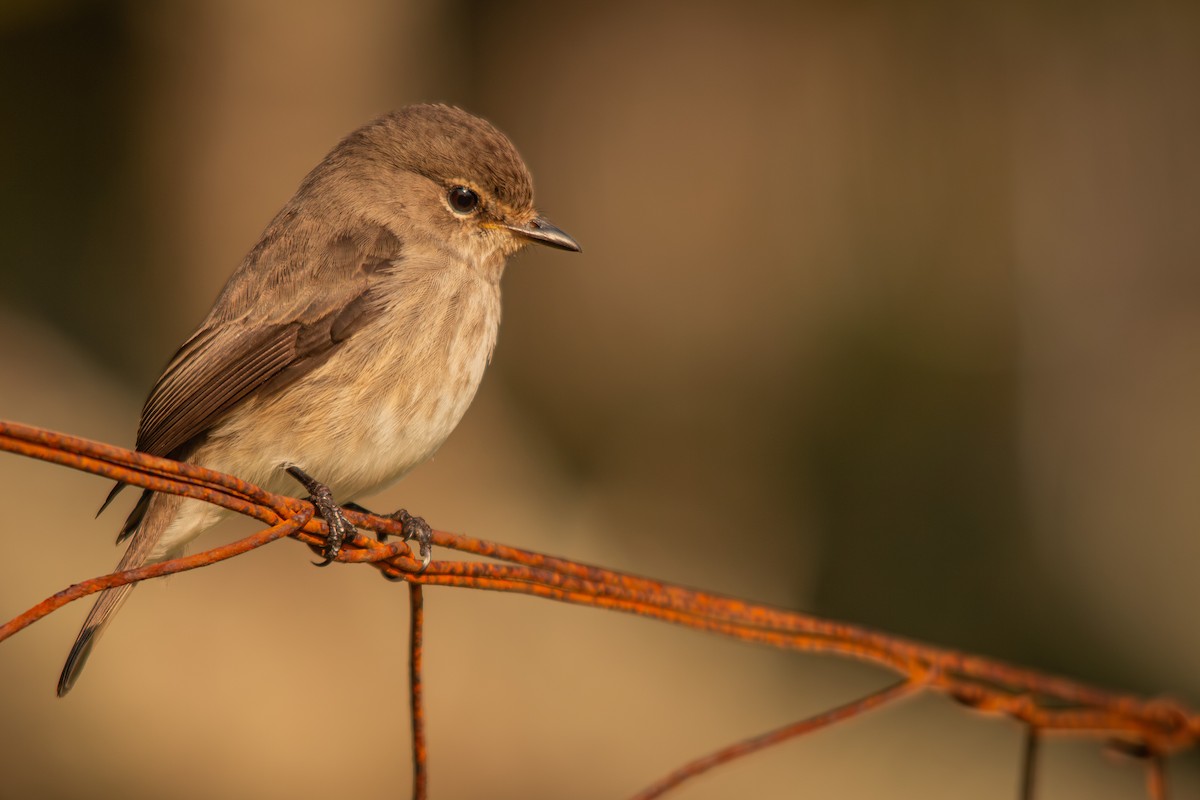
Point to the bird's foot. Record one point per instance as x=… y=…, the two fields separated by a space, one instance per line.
x=416 y=528
x=413 y=527
x=339 y=527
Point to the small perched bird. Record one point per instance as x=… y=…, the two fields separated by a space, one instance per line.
x=352 y=338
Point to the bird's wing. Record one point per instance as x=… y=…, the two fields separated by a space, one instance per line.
x=265 y=333
x=267 y=327
x=220 y=366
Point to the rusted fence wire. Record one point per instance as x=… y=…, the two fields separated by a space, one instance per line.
x=1149 y=728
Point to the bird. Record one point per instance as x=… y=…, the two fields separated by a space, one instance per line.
x=349 y=342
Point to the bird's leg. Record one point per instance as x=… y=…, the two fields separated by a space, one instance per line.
x=414 y=528
x=319 y=495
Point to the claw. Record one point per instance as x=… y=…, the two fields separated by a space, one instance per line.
x=416 y=528
x=339 y=527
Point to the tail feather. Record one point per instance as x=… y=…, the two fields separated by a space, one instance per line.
x=98 y=619
x=157 y=516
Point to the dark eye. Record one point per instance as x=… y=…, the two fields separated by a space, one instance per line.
x=463 y=200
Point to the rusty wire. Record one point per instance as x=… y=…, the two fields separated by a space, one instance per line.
x=416 y=657
x=1150 y=728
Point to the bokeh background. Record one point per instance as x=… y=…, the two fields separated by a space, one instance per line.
x=889 y=312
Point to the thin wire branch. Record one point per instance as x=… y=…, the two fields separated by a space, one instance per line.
x=752 y=745
x=1029 y=758
x=1156 y=777
x=416 y=650
x=1043 y=702
x=279 y=530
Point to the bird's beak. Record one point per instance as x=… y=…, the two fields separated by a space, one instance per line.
x=539 y=230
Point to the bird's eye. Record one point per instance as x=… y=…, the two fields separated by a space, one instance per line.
x=463 y=200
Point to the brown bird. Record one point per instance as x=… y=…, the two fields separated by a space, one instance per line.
x=349 y=343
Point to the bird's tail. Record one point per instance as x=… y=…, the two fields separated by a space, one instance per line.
x=141 y=551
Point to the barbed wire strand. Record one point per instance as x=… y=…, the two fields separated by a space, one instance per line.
x=1044 y=703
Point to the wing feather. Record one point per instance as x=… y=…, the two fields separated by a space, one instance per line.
x=282 y=330
x=215 y=377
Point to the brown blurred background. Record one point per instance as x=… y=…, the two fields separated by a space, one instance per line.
x=891 y=314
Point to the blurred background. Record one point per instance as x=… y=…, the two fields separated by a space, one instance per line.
x=887 y=312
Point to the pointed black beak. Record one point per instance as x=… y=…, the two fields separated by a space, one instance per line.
x=539 y=230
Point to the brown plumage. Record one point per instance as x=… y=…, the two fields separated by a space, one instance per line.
x=352 y=338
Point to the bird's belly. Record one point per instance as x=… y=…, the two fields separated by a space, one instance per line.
x=393 y=433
